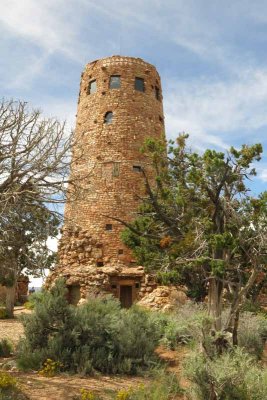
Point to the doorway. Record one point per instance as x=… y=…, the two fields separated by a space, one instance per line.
x=74 y=294
x=126 y=296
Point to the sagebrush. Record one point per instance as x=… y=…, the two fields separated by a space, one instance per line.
x=97 y=336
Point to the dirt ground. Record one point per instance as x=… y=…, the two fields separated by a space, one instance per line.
x=65 y=387
x=12 y=329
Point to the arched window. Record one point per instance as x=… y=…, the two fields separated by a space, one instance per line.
x=108 y=117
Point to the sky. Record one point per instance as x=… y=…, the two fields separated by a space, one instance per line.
x=211 y=55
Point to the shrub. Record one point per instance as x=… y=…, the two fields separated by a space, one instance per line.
x=98 y=335
x=164 y=386
x=232 y=376
x=9 y=388
x=34 y=298
x=252 y=333
x=50 y=368
x=7 y=381
x=5 y=348
x=181 y=327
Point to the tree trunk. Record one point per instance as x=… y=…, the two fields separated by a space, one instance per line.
x=10 y=300
x=215 y=302
x=235 y=328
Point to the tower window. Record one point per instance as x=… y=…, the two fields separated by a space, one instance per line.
x=157 y=93
x=115 y=82
x=99 y=264
x=108 y=227
x=92 y=87
x=120 y=251
x=137 y=168
x=137 y=285
x=108 y=117
x=116 y=169
x=139 y=84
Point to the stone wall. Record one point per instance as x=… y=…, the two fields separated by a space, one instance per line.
x=108 y=155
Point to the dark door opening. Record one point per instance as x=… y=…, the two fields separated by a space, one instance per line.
x=126 y=296
x=74 y=294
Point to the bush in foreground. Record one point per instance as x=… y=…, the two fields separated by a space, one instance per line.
x=234 y=375
x=9 y=388
x=97 y=336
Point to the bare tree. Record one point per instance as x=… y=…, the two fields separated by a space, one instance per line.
x=35 y=155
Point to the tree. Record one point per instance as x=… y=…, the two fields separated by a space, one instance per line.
x=34 y=169
x=199 y=221
x=24 y=231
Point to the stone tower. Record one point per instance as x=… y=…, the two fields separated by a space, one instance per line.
x=119 y=106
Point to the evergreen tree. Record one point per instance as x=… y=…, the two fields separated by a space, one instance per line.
x=200 y=226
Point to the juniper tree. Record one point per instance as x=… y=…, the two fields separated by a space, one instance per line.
x=200 y=222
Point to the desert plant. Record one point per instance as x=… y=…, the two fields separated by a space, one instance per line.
x=232 y=376
x=252 y=333
x=164 y=386
x=97 y=336
x=5 y=348
x=34 y=298
x=50 y=368
x=182 y=326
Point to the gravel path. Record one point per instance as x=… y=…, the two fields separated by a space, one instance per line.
x=12 y=329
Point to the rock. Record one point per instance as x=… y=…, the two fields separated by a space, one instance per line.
x=163 y=298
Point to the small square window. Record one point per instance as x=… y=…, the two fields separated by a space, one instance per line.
x=157 y=93
x=108 y=227
x=115 y=82
x=92 y=87
x=137 y=168
x=137 y=285
x=139 y=84
x=114 y=286
x=120 y=251
x=99 y=263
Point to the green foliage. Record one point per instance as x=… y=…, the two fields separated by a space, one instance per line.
x=164 y=386
x=3 y=313
x=97 y=336
x=252 y=333
x=9 y=388
x=50 y=368
x=199 y=224
x=7 y=381
x=232 y=376
x=33 y=299
x=5 y=348
x=181 y=327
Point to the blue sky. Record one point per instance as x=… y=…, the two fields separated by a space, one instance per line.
x=211 y=56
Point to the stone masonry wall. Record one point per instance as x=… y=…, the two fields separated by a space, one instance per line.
x=109 y=152
x=107 y=165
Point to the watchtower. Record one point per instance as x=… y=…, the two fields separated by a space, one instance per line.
x=119 y=106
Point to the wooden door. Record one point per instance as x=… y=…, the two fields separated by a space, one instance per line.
x=126 y=296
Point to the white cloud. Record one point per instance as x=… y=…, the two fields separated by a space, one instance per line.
x=263 y=175
x=46 y=24
x=218 y=112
